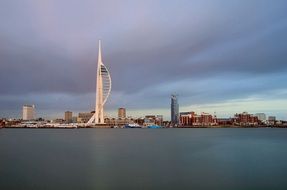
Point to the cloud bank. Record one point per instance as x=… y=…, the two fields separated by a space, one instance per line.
x=208 y=52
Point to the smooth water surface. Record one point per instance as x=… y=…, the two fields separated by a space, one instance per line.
x=143 y=159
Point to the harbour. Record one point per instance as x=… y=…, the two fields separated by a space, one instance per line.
x=53 y=159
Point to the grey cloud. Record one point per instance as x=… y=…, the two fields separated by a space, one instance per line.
x=150 y=48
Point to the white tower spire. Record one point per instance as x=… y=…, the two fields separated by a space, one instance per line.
x=103 y=90
x=100 y=53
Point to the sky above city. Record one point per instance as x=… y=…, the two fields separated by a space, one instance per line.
x=223 y=56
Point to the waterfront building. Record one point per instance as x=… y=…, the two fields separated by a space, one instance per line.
x=74 y=119
x=58 y=120
x=245 y=119
x=149 y=120
x=28 y=112
x=159 y=120
x=111 y=121
x=189 y=119
x=271 y=120
x=153 y=120
x=224 y=121
x=174 y=110
x=186 y=118
x=139 y=121
x=68 y=117
x=117 y=122
x=84 y=117
x=2 y=123
x=103 y=89
x=121 y=113
x=207 y=119
x=261 y=116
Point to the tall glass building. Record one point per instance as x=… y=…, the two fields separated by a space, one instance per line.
x=174 y=110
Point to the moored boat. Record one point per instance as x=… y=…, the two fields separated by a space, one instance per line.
x=154 y=127
x=134 y=125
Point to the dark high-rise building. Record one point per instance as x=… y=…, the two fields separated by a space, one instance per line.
x=68 y=117
x=174 y=110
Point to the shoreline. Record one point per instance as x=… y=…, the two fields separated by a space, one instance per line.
x=111 y=127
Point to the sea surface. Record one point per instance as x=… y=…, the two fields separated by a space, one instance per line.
x=194 y=159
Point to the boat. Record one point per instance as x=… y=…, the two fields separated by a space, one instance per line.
x=66 y=126
x=133 y=125
x=154 y=127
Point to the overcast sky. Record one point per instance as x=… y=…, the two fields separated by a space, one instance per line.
x=222 y=56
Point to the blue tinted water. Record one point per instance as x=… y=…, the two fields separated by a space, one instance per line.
x=143 y=159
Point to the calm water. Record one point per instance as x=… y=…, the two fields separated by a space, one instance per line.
x=143 y=159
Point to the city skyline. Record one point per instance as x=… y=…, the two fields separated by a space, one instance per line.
x=218 y=56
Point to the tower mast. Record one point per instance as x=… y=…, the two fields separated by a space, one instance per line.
x=102 y=91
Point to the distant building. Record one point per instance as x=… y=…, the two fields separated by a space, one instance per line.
x=84 y=117
x=188 y=119
x=122 y=122
x=245 y=119
x=28 y=112
x=271 y=120
x=153 y=120
x=74 y=119
x=2 y=122
x=261 y=116
x=224 y=121
x=174 y=107
x=110 y=121
x=58 y=120
x=207 y=119
x=159 y=120
x=139 y=121
x=149 y=120
x=121 y=113
x=68 y=117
